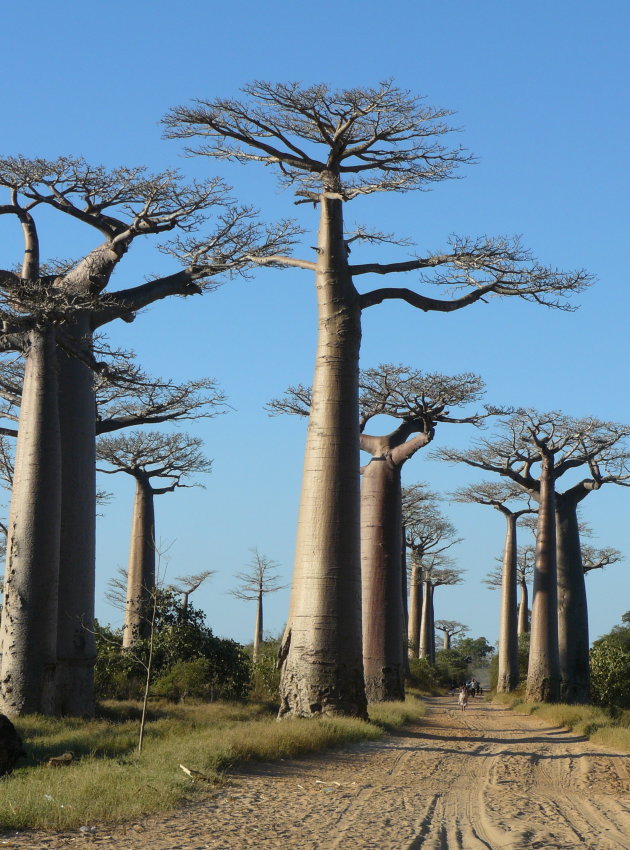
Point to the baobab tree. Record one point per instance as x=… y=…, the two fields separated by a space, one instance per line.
x=416 y=498
x=419 y=402
x=50 y=314
x=171 y=459
x=187 y=585
x=428 y=537
x=332 y=147
x=255 y=582
x=556 y=444
x=497 y=495
x=525 y=560
x=450 y=629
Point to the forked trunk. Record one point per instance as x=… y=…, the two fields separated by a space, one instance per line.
x=523 y=608
x=258 y=629
x=415 y=611
x=76 y=649
x=543 y=677
x=141 y=573
x=572 y=606
x=322 y=667
x=508 y=632
x=425 y=642
x=28 y=635
x=383 y=656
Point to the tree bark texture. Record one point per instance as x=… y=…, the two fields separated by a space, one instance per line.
x=141 y=571
x=415 y=611
x=76 y=649
x=383 y=656
x=258 y=629
x=508 y=631
x=543 y=678
x=28 y=634
x=523 y=609
x=322 y=667
x=447 y=641
x=573 y=639
x=426 y=642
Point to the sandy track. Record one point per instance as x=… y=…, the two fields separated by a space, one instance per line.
x=484 y=778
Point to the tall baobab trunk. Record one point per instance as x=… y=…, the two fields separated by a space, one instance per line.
x=432 y=625
x=523 y=608
x=572 y=605
x=141 y=573
x=415 y=609
x=76 y=649
x=543 y=677
x=383 y=656
x=447 y=641
x=258 y=630
x=508 y=631
x=425 y=645
x=404 y=592
x=28 y=635
x=322 y=669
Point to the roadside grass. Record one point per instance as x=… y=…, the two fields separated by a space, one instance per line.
x=592 y=722
x=109 y=781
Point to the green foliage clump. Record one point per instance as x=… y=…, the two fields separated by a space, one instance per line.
x=423 y=675
x=610 y=667
x=188 y=660
x=265 y=673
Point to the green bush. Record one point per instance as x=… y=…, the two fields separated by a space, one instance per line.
x=423 y=675
x=610 y=674
x=265 y=685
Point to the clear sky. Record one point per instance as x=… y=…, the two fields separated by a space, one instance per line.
x=540 y=92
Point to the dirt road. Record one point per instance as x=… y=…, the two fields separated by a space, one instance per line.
x=484 y=778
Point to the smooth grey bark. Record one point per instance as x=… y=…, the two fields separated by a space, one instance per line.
x=381 y=555
x=28 y=633
x=425 y=649
x=543 y=677
x=447 y=641
x=141 y=569
x=76 y=646
x=523 y=608
x=508 y=631
x=573 y=637
x=322 y=665
x=415 y=609
x=258 y=628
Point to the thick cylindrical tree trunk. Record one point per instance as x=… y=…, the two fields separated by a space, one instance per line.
x=508 y=631
x=76 y=649
x=322 y=665
x=383 y=656
x=543 y=677
x=405 y=595
x=28 y=635
x=425 y=644
x=141 y=572
x=447 y=641
x=432 y=623
x=573 y=639
x=415 y=611
x=258 y=629
x=523 y=608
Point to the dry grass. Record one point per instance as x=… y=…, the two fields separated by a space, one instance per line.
x=109 y=781
x=587 y=720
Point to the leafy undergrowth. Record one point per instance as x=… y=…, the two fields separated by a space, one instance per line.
x=592 y=722
x=109 y=781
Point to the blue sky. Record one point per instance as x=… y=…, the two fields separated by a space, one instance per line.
x=540 y=93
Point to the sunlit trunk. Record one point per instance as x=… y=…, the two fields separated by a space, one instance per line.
x=415 y=610
x=572 y=606
x=447 y=641
x=141 y=572
x=543 y=677
x=432 y=623
x=508 y=631
x=322 y=667
x=28 y=635
x=76 y=650
x=383 y=656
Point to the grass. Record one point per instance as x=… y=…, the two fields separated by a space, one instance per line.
x=592 y=722
x=109 y=781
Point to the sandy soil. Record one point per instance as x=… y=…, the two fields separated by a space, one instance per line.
x=484 y=778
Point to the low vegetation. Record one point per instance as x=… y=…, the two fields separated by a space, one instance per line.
x=600 y=725
x=109 y=781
